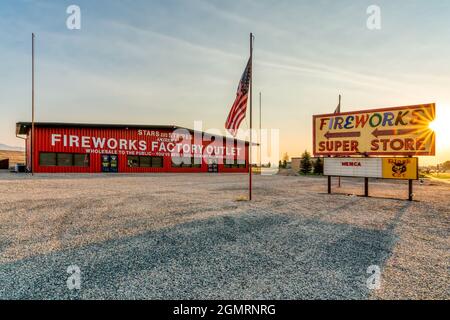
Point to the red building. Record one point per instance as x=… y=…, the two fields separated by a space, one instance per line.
x=73 y=147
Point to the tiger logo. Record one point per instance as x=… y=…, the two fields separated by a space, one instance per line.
x=398 y=168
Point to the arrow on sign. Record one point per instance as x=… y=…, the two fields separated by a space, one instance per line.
x=329 y=135
x=392 y=132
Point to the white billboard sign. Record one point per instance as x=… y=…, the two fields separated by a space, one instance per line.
x=353 y=167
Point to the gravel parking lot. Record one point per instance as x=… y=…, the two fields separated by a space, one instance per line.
x=177 y=236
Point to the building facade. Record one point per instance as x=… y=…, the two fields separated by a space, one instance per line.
x=95 y=148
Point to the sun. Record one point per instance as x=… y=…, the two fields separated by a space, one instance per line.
x=435 y=126
x=441 y=126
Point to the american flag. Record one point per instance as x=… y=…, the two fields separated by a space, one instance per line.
x=239 y=108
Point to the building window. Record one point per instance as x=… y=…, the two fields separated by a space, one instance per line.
x=64 y=159
x=236 y=164
x=52 y=159
x=145 y=162
x=80 y=160
x=47 y=159
x=188 y=163
x=157 y=162
x=197 y=162
x=133 y=161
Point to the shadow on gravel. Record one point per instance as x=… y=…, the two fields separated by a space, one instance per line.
x=245 y=257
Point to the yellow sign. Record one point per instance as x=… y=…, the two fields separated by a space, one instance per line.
x=390 y=131
x=400 y=168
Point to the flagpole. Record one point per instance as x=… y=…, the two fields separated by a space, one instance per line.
x=339 y=111
x=32 y=105
x=250 y=145
x=260 y=160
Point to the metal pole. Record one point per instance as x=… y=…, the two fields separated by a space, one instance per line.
x=32 y=105
x=329 y=184
x=260 y=138
x=250 y=146
x=339 y=105
x=366 y=187
x=410 y=190
x=339 y=111
x=410 y=184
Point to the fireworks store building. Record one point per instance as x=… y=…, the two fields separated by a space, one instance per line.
x=91 y=148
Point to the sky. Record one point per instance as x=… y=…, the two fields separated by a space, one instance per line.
x=176 y=62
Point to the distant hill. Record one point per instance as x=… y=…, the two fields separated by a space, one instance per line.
x=10 y=148
x=13 y=156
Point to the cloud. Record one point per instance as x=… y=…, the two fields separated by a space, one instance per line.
x=269 y=59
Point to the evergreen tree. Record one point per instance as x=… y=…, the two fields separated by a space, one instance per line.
x=446 y=165
x=305 y=163
x=318 y=166
x=285 y=160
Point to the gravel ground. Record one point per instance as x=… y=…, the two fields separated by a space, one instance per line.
x=176 y=236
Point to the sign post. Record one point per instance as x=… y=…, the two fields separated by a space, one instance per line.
x=410 y=190
x=329 y=184
x=366 y=187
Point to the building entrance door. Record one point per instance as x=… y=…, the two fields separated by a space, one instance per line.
x=110 y=163
x=213 y=166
